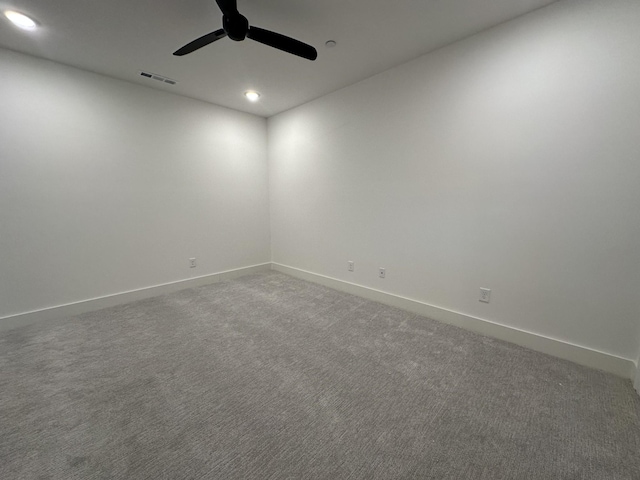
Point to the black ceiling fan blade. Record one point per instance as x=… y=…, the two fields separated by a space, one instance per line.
x=200 y=42
x=282 y=42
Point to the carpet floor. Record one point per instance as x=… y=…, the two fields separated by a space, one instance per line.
x=271 y=377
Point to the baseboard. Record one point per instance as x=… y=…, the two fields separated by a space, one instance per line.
x=89 y=305
x=582 y=355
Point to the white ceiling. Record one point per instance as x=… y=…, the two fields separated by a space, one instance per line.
x=120 y=38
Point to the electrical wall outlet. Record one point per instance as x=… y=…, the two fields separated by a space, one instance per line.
x=382 y=273
x=485 y=295
x=192 y=263
x=351 y=265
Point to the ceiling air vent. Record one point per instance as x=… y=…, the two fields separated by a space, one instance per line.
x=159 y=78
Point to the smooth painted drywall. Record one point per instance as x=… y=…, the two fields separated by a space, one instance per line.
x=106 y=186
x=510 y=160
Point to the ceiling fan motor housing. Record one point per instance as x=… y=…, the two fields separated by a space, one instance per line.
x=236 y=26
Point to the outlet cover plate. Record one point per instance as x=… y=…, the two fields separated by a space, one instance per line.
x=485 y=295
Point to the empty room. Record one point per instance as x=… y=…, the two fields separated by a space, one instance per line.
x=320 y=240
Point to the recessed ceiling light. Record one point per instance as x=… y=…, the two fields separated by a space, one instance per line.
x=330 y=43
x=252 y=95
x=20 y=20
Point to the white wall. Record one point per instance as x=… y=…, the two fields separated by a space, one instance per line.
x=510 y=160
x=106 y=186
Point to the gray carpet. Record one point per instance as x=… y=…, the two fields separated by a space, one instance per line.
x=271 y=377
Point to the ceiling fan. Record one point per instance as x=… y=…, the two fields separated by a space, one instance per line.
x=236 y=27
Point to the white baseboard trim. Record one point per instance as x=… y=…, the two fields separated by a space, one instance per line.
x=582 y=355
x=92 y=304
